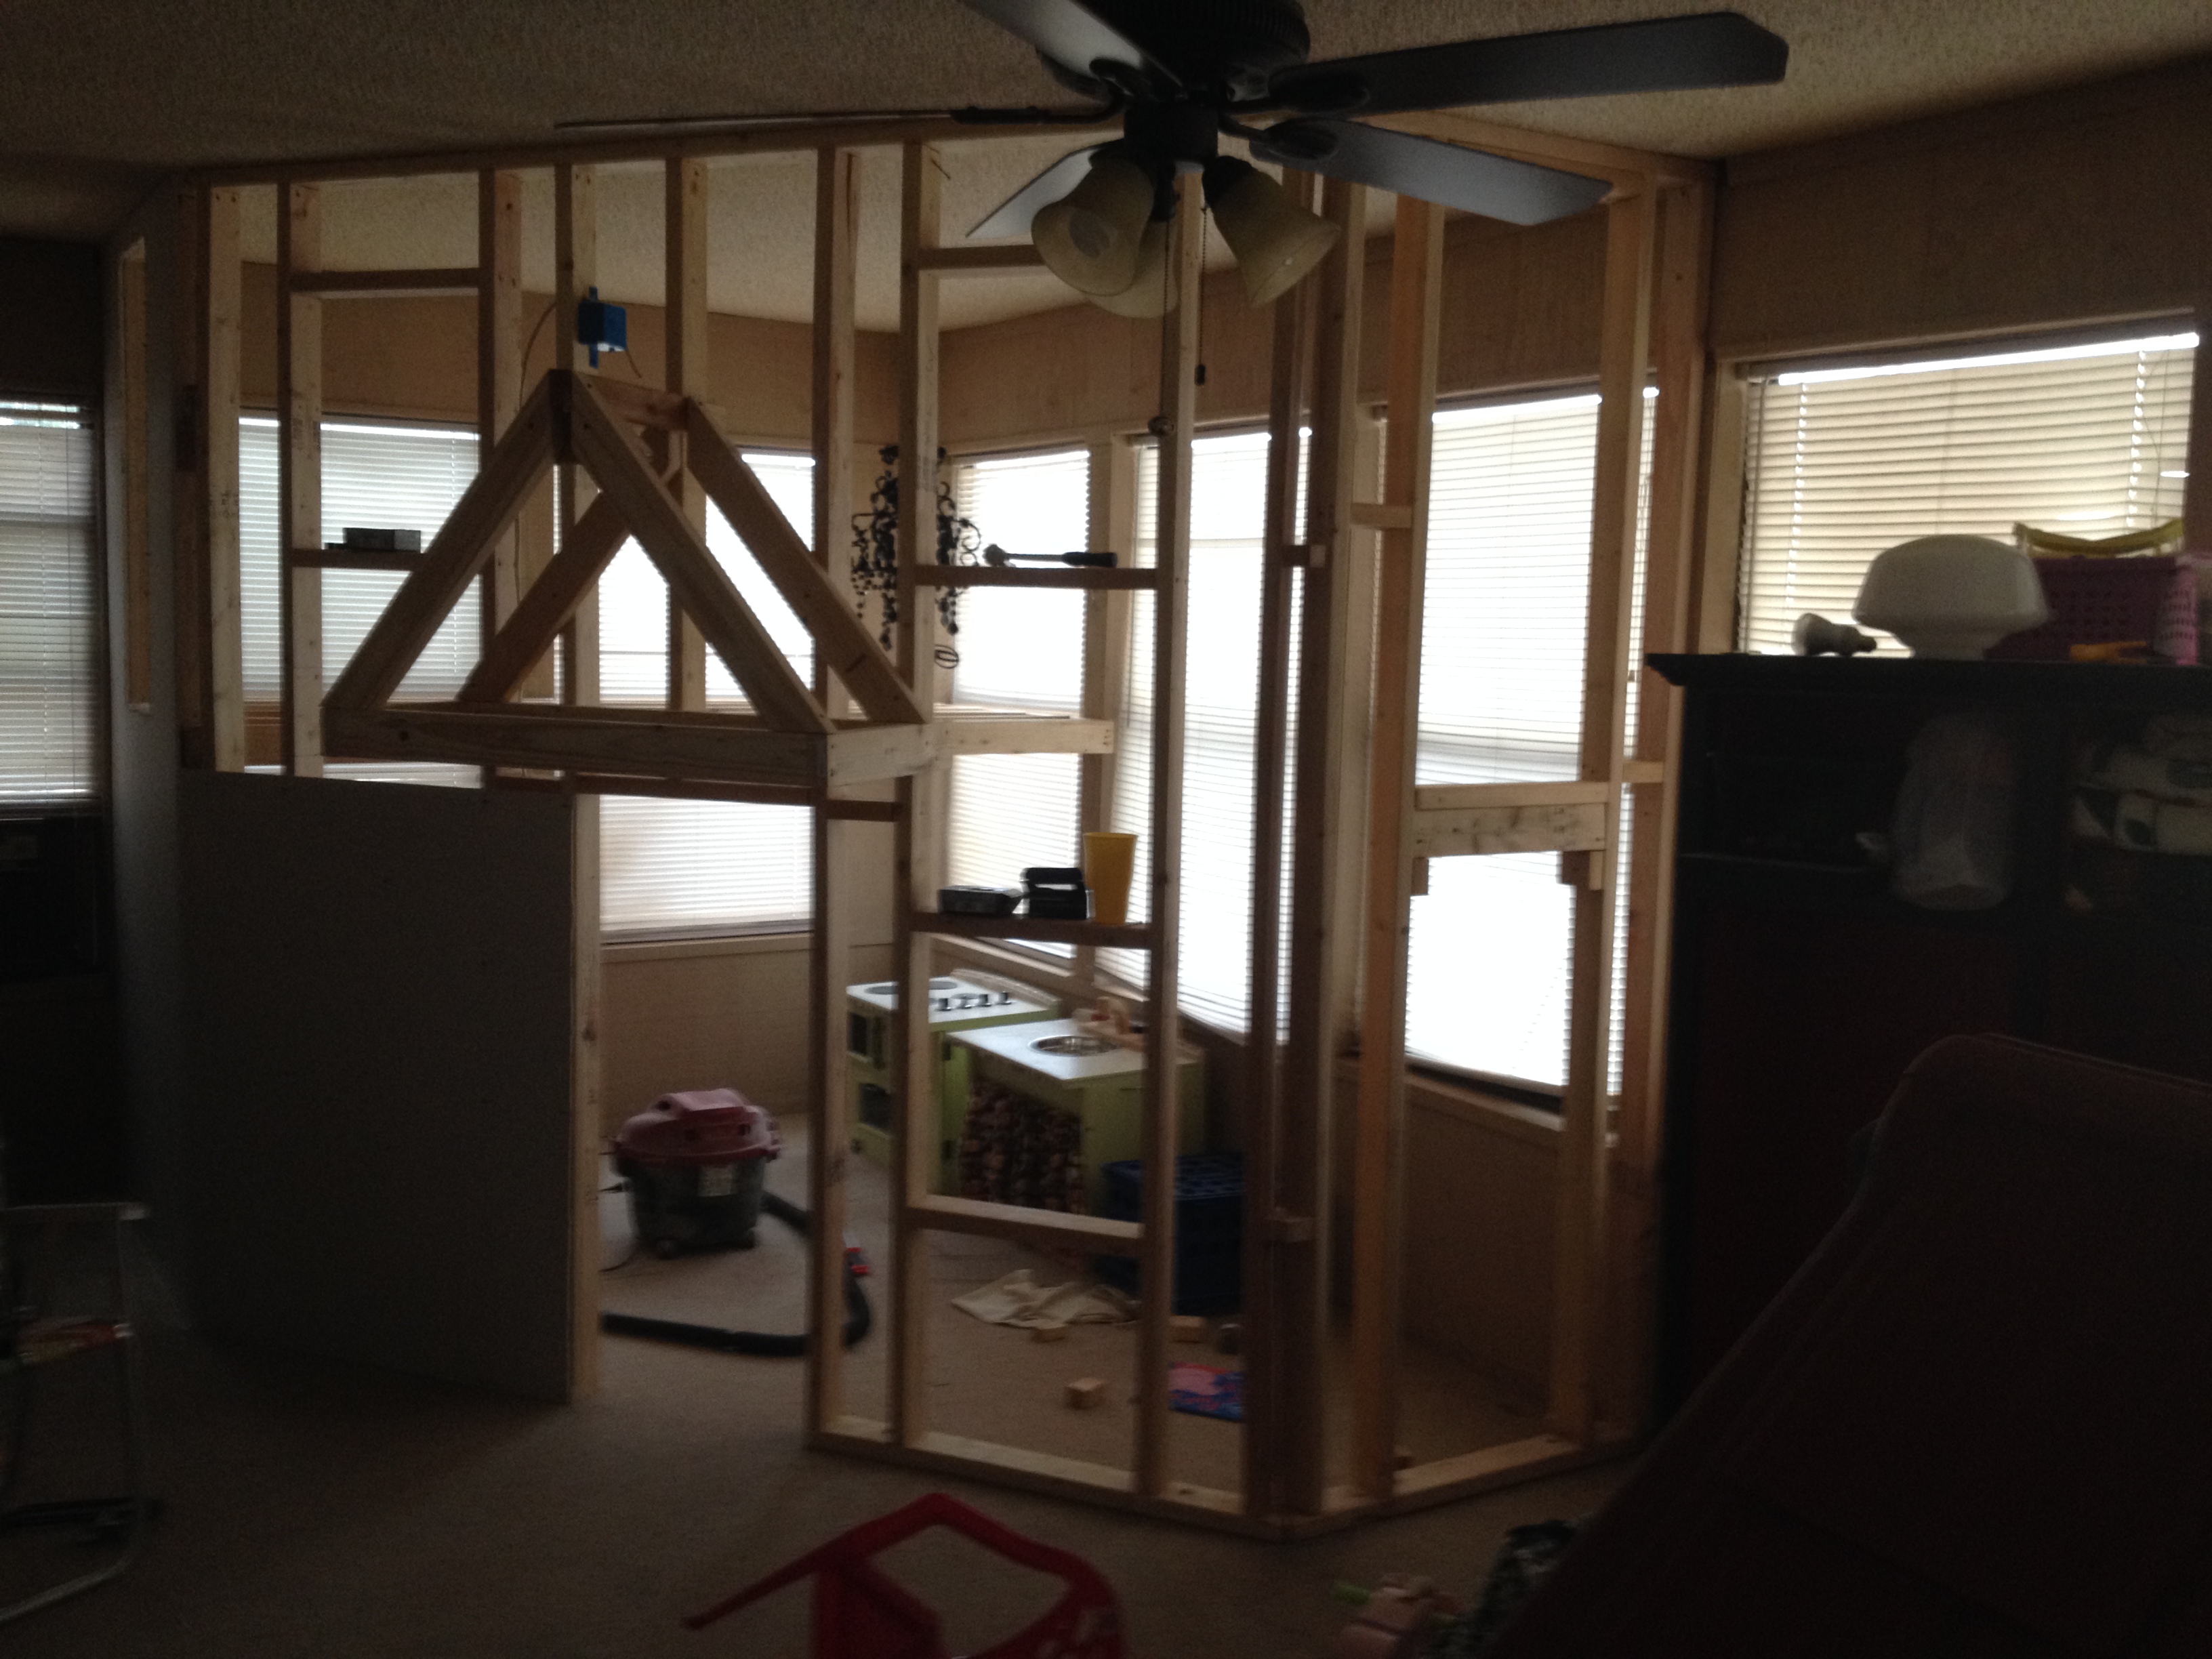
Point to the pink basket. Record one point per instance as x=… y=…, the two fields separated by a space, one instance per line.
x=2097 y=601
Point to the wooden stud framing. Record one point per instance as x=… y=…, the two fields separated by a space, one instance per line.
x=829 y=1130
x=1416 y=292
x=2196 y=493
x=1320 y=848
x=917 y=839
x=132 y=373
x=1578 y=1303
x=299 y=479
x=801 y=748
x=1290 y=377
x=1163 y=1007
x=686 y=297
x=1679 y=354
x=499 y=361
x=575 y=272
x=222 y=644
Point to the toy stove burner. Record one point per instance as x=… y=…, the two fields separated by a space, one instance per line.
x=966 y=999
x=1075 y=1042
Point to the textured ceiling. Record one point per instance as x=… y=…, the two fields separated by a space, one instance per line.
x=98 y=97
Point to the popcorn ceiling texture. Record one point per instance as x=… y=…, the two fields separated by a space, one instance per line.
x=97 y=99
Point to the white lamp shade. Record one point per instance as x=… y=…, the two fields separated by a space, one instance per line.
x=1092 y=238
x=1951 y=596
x=1153 y=292
x=1276 y=241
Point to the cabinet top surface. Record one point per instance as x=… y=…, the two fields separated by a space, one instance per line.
x=2120 y=684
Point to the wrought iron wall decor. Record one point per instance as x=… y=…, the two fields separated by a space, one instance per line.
x=875 y=552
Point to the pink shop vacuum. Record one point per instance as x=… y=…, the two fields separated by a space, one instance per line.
x=694 y=1166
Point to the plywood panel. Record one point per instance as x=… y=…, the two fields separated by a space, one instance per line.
x=379 y=993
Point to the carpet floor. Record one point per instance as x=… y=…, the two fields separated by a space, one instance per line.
x=324 y=1509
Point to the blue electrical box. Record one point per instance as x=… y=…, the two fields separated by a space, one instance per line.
x=600 y=327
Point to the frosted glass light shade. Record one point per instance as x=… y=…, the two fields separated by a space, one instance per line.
x=1276 y=241
x=1153 y=292
x=1092 y=239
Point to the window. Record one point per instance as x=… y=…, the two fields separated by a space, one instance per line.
x=1504 y=633
x=49 y=606
x=1229 y=477
x=1020 y=650
x=699 y=868
x=667 y=866
x=1844 y=462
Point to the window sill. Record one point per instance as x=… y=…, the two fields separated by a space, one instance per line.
x=765 y=942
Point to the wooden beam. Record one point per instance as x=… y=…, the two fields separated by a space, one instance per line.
x=1452 y=797
x=505 y=478
x=1044 y=1230
x=1039 y=930
x=829 y=1117
x=699 y=584
x=851 y=653
x=1382 y=515
x=575 y=272
x=1452 y=832
x=549 y=606
x=981 y=261
x=1628 y=170
x=219 y=330
x=1623 y=364
x=1092 y=578
x=2196 y=493
x=794 y=137
x=1377 y=1257
x=1179 y=370
x=962 y=732
x=351 y=558
x=499 y=366
x=618 y=783
x=133 y=373
x=384 y=284
x=1265 y=1456
x=836 y=287
x=918 y=843
x=508 y=737
x=1680 y=357
x=1106 y=616
x=686 y=301
x=1324 y=816
x=188 y=520
x=299 y=481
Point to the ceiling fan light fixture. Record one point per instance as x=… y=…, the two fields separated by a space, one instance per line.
x=1154 y=293
x=1092 y=239
x=1276 y=240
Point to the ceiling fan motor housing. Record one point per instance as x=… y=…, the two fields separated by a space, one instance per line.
x=1222 y=50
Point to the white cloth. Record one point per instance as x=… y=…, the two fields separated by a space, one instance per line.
x=1019 y=1299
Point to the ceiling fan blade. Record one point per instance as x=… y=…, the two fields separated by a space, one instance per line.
x=1519 y=192
x=1665 y=54
x=1071 y=35
x=1012 y=217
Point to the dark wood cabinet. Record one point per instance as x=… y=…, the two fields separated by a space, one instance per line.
x=1803 y=989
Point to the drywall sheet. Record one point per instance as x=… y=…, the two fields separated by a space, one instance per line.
x=379 y=989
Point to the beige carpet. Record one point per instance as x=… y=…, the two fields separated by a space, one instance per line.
x=328 y=1510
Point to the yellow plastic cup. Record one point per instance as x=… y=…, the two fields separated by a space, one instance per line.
x=1109 y=864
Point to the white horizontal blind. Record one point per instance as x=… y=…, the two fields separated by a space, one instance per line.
x=1504 y=633
x=384 y=477
x=49 y=606
x=671 y=868
x=1020 y=650
x=634 y=599
x=2090 y=439
x=1229 y=496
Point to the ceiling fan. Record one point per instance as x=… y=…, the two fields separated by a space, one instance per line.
x=1181 y=73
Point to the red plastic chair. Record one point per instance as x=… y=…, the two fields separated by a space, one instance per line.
x=861 y=1614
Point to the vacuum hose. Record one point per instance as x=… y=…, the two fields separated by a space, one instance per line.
x=761 y=1343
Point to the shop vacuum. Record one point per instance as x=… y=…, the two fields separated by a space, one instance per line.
x=694 y=1165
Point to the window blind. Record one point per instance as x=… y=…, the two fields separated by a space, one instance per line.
x=2090 y=439
x=1229 y=487
x=671 y=868
x=1503 y=638
x=666 y=866
x=49 y=606
x=1020 y=650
